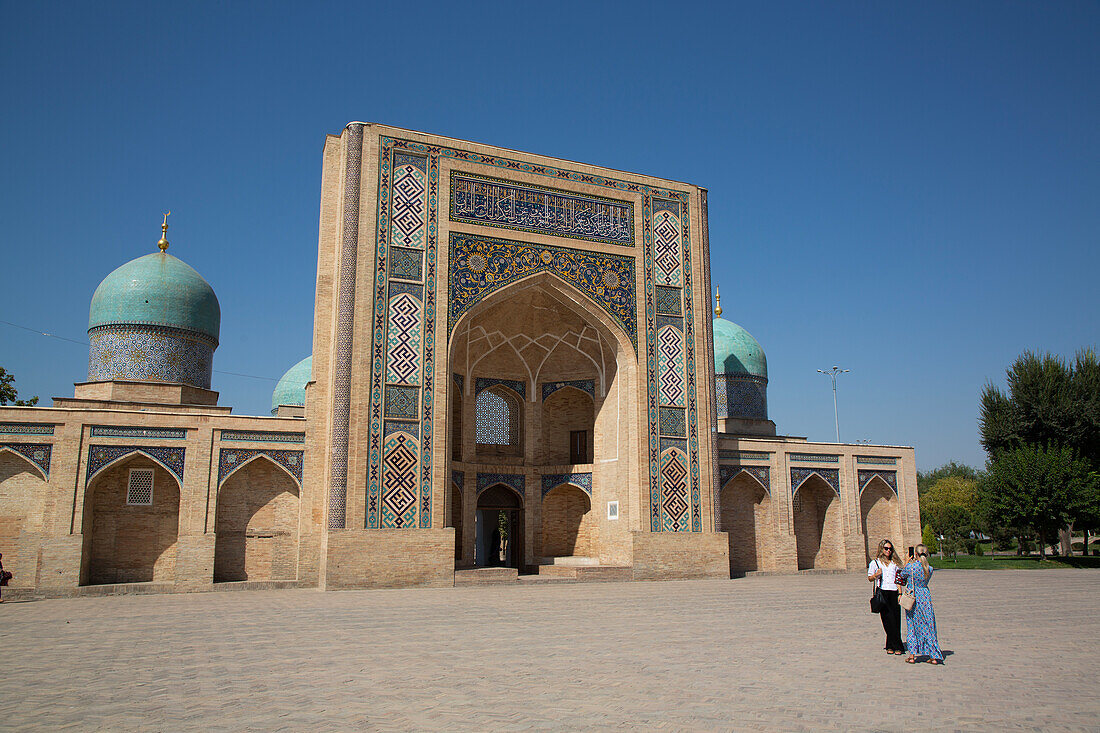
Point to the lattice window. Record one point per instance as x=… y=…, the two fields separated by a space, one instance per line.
x=139 y=490
x=497 y=419
x=796 y=503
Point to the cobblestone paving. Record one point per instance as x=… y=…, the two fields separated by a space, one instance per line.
x=760 y=653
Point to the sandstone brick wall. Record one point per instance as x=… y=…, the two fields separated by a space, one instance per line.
x=880 y=518
x=563 y=412
x=389 y=559
x=257 y=525
x=568 y=523
x=129 y=544
x=818 y=527
x=670 y=555
x=746 y=514
x=22 y=493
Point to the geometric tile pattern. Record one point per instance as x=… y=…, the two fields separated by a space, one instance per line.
x=231 y=459
x=890 y=477
x=743 y=455
x=580 y=480
x=671 y=420
x=482 y=265
x=36 y=453
x=25 y=428
x=761 y=473
x=668 y=301
x=515 y=480
x=403 y=339
x=458 y=478
x=392 y=426
x=401 y=459
x=345 y=332
x=496 y=202
x=831 y=476
x=399 y=471
x=110 y=431
x=517 y=386
x=877 y=459
x=675 y=503
x=742 y=395
x=667 y=255
x=99 y=456
x=155 y=353
x=670 y=361
x=259 y=436
x=587 y=386
x=813 y=458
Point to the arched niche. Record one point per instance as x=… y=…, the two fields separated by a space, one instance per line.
x=568 y=523
x=256 y=523
x=745 y=514
x=499 y=528
x=23 y=490
x=879 y=514
x=818 y=525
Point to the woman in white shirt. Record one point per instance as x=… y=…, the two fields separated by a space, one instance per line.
x=883 y=569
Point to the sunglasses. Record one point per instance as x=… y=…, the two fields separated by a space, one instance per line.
x=888 y=548
x=923 y=554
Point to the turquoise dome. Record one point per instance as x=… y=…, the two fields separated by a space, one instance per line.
x=736 y=351
x=158 y=290
x=291 y=389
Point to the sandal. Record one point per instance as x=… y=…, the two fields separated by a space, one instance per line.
x=934 y=661
x=911 y=660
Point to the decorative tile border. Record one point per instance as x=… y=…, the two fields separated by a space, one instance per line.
x=813 y=458
x=231 y=459
x=587 y=386
x=880 y=460
x=25 y=428
x=259 y=436
x=866 y=476
x=515 y=480
x=743 y=455
x=762 y=474
x=100 y=456
x=458 y=478
x=830 y=476
x=580 y=480
x=483 y=383
x=112 y=431
x=37 y=453
x=525 y=207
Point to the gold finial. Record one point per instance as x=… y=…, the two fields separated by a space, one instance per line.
x=163 y=243
x=717 y=302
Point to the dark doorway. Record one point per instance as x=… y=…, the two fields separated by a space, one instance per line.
x=578 y=446
x=499 y=534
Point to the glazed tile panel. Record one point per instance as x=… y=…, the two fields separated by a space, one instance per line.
x=37 y=453
x=152 y=353
x=496 y=202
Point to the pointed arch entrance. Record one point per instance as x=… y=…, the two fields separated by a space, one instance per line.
x=879 y=515
x=818 y=525
x=256 y=523
x=745 y=515
x=499 y=528
x=22 y=491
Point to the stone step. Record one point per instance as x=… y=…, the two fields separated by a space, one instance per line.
x=486 y=576
x=583 y=573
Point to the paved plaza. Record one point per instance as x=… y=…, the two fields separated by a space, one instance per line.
x=759 y=653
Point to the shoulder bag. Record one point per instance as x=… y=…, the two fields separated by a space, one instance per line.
x=878 y=601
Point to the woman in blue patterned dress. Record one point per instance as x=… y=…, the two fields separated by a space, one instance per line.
x=920 y=620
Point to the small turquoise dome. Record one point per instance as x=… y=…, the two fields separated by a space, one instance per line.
x=291 y=389
x=157 y=290
x=736 y=351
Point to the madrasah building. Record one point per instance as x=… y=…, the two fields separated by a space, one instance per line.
x=510 y=382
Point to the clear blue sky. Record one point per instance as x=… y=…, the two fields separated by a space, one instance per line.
x=911 y=192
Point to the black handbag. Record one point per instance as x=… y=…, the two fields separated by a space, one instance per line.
x=878 y=600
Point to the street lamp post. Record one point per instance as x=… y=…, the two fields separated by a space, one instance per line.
x=832 y=374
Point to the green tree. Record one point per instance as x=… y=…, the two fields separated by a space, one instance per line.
x=954 y=523
x=8 y=393
x=927 y=479
x=1039 y=488
x=1048 y=403
x=951 y=491
x=928 y=538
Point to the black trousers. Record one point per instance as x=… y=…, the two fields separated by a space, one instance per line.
x=891 y=621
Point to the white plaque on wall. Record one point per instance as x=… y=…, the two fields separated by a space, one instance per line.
x=612 y=510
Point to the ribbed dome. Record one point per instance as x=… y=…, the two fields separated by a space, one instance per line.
x=291 y=389
x=736 y=351
x=159 y=290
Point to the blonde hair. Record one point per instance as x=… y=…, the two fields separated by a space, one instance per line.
x=923 y=559
x=881 y=556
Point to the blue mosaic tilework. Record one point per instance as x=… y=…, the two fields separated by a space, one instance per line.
x=581 y=480
x=460 y=381
x=150 y=353
x=831 y=476
x=391 y=426
x=675 y=498
x=587 y=386
x=403 y=336
x=25 y=428
x=762 y=474
x=259 y=436
x=668 y=301
x=516 y=480
x=678 y=443
x=743 y=455
x=482 y=265
x=813 y=458
x=671 y=421
x=458 y=478
x=100 y=456
x=400 y=459
x=483 y=383
x=670 y=366
x=741 y=395
x=345 y=327
x=496 y=202
x=37 y=453
x=417 y=161
x=407 y=264
x=111 y=431
x=676 y=322
x=880 y=460
x=231 y=459
x=396 y=287
x=409 y=187
x=401 y=401
x=890 y=477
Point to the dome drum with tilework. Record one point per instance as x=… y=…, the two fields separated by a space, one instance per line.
x=741 y=372
x=291 y=388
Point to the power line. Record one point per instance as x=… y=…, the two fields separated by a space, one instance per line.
x=85 y=343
